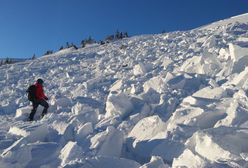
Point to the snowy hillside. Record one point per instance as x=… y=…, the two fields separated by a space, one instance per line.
x=170 y=100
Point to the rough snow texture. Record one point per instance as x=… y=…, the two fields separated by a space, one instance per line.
x=169 y=100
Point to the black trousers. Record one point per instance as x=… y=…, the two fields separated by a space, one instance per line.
x=35 y=104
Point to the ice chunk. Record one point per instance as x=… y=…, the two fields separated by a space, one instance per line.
x=78 y=108
x=17 y=155
x=193 y=65
x=116 y=86
x=189 y=159
x=236 y=112
x=147 y=129
x=118 y=104
x=237 y=52
x=107 y=162
x=23 y=112
x=155 y=162
x=241 y=79
x=18 y=131
x=156 y=83
x=186 y=116
x=141 y=69
x=210 y=93
x=114 y=138
x=166 y=63
x=222 y=143
x=60 y=127
x=103 y=142
x=84 y=130
x=70 y=152
x=207 y=64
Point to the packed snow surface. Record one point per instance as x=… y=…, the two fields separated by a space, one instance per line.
x=176 y=99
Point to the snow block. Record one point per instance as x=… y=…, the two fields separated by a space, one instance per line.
x=147 y=129
x=166 y=63
x=207 y=64
x=236 y=112
x=168 y=150
x=142 y=69
x=84 y=130
x=155 y=162
x=186 y=116
x=241 y=79
x=78 y=108
x=17 y=155
x=118 y=104
x=23 y=112
x=156 y=83
x=70 y=152
x=189 y=159
x=18 y=131
x=103 y=142
x=222 y=143
x=210 y=93
x=116 y=86
x=62 y=103
x=107 y=162
x=237 y=52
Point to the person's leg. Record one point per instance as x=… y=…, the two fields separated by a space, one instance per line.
x=45 y=105
x=35 y=105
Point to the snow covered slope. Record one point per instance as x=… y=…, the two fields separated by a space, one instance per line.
x=169 y=100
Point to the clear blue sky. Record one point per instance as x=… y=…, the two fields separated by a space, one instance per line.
x=30 y=27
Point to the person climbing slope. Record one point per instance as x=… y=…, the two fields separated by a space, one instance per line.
x=37 y=97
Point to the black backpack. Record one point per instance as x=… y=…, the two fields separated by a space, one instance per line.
x=31 y=92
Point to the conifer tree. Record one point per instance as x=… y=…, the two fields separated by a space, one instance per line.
x=61 y=48
x=33 y=57
x=117 y=35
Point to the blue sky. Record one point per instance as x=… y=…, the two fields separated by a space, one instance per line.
x=30 y=27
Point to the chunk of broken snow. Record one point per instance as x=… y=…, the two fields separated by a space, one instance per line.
x=103 y=142
x=18 y=131
x=184 y=116
x=189 y=159
x=115 y=138
x=241 y=79
x=24 y=111
x=166 y=63
x=60 y=126
x=236 y=112
x=193 y=65
x=210 y=93
x=84 y=130
x=118 y=104
x=237 y=52
x=206 y=64
x=222 y=143
x=78 y=108
x=141 y=69
x=156 y=83
x=155 y=162
x=70 y=152
x=147 y=129
x=116 y=86
x=108 y=162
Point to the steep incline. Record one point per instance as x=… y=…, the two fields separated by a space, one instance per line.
x=169 y=100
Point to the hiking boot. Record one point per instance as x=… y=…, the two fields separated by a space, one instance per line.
x=42 y=115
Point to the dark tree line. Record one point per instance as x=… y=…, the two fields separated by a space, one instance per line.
x=6 y=61
x=87 y=41
x=117 y=36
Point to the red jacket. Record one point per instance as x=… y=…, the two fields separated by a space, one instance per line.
x=39 y=92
